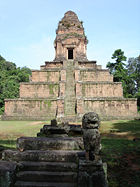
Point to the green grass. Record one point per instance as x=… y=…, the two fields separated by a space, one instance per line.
x=11 y=130
x=123 y=161
x=128 y=128
x=121 y=153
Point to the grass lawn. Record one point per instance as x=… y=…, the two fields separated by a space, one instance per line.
x=121 y=151
x=11 y=130
x=120 y=146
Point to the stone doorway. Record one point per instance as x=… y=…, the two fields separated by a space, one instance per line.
x=70 y=53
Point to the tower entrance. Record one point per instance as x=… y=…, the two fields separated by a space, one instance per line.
x=70 y=53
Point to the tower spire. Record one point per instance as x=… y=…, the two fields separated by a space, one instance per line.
x=70 y=41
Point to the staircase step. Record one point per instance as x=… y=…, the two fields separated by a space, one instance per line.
x=37 y=143
x=43 y=184
x=70 y=94
x=48 y=166
x=36 y=155
x=44 y=176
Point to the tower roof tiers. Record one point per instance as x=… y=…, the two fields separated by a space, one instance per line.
x=70 y=41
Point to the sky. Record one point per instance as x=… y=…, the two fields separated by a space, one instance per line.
x=27 y=28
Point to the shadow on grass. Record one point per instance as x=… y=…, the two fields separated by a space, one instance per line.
x=123 y=161
x=124 y=129
x=8 y=144
x=111 y=147
x=133 y=126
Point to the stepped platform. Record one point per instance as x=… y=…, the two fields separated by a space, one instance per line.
x=42 y=143
x=48 y=166
x=53 y=159
x=38 y=155
x=44 y=184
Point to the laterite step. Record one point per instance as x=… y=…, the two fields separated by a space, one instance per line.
x=43 y=184
x=49 y=156
x=47 y=166
x=43 y=143
x=44 y=176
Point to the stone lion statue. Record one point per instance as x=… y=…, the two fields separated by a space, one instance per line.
x=91 y=135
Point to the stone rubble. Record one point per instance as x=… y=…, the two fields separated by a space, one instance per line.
x=56 y=157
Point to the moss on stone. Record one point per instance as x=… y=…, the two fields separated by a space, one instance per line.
x=83 y=89
x=48 y=102
x=68 y=35
x=40 y=105
x=48 y=76
x=51 y=87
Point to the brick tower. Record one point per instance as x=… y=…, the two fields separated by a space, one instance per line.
x=70 y=42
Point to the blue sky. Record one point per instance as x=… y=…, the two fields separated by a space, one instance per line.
x=27 y=28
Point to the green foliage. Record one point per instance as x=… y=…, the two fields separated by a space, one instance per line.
x=137 y=95
x=128 y=74
x=86 y=39
x=10 y=77
x=120 y=151
x=134 y=73
x=122 y=154
x=81 y=22
x=117 y=69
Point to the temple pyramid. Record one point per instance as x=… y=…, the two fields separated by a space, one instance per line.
x=70 y=85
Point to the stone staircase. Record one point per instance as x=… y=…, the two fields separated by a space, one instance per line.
x=55 y=158
x=49 y=168
x=46 y=161
x=70 y=95
x=48 y=174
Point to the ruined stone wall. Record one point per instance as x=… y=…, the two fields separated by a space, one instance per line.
x=108 y=108
x=88 y=64
x=85 y=75
x=99 y=89
x=49 y=95
x=52 y=65
x=45 y=76
x=33 y=109
x=39 y=90
x=95 y=75
x=43 y=109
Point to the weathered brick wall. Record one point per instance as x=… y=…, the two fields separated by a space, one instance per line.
x=53 y=65
x=39 y=90
x=100 y=89
x=60 y=108
x=95 y=75
x=62 y=89
x=108 y=108
x=43 y=109
x=56 y=92
x=77 y=75
x=87 y=64
x=63 y=75
x=45 y=76
x=30 y=109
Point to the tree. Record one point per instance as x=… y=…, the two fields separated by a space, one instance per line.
x=128 y=74
x=10 y=78
x=118 y=70
x=134 y=72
